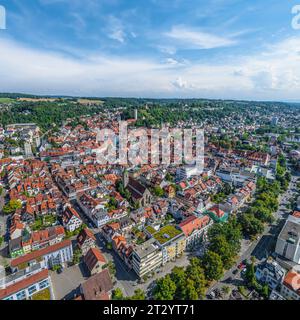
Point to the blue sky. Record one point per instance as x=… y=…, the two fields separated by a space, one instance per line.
x=152 y=48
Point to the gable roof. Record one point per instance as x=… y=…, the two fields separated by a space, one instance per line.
x=84 y=235
x=92 y=257
x=193 y=223
x=136 y=188
x=97 y=286
x=40 y=253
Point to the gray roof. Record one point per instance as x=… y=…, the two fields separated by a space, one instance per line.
x=291 y=230
x=146 y=248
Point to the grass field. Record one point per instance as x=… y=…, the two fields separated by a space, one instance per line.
x=6 y=100
x=90 y=101
x=38 y=99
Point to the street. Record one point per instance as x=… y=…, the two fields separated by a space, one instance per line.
x=262 y=247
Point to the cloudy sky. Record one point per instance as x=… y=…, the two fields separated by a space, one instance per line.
x=237 y=49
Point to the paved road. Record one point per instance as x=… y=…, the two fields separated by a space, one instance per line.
x=264 y=245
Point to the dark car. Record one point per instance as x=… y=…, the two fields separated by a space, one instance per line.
x=60 y=270
x=235 y=271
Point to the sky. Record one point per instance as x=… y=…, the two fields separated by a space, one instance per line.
x=227 y=49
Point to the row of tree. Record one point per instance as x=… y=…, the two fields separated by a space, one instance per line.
x=262 y=209
x=191 y=283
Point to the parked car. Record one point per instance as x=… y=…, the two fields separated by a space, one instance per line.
x=241 y=266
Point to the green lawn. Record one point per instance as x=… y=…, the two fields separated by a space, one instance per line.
x=42 y=295
x=6 y=100
x=166 y=233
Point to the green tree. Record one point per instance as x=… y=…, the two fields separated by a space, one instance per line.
x=213 y=266
x=250 y=276
x=117 y=294
x=190 y=291
x=12 y=206
x=139 y=294
x=251 y=225
x=165 y=289
x=178 y=276
x=265 y=291
x=196 y=273
x=76 y=256
x=224 y=249
x=158 y=191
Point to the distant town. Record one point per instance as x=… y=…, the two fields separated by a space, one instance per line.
x=72 y=228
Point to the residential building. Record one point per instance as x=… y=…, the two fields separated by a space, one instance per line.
x=270 y=273
x=186 y=172
x=93 y=209
x=146 y=258
x=97 y=287
x=86 y=240
x=234 y=175
x=194 y=228
x=27 y=149
x=35 y=241
x=57 y=254
x=290 y=288
x=94 y=260
x=71 y=219
x=27 y=287
x=217 y=214
x=172 y=242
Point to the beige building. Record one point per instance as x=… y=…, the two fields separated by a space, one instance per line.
x=146 y=258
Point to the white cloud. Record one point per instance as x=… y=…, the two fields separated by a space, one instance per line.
x=180 y=83
x=115 y=29
x=271 y=75
x=189 y=38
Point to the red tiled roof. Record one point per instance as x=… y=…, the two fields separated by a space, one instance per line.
x=292 y=281
x=219 y=213
x=39 y=253
x=97 y=286
x=93 y=256
x=192 y=223
x=84 y=235
x=16 y=287
x=296 y=214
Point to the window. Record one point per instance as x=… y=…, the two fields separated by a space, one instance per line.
x=21 y=295
x=32 y=290
x=43 y=284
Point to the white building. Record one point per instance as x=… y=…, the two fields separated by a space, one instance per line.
x=270 y=273
x=288 y=242
x=146 y=258
x=71 y=219
x=27 y=149
x=290 y=288
x=186 y=172
x=23 y=285
x=58 y=254
x=93 y=209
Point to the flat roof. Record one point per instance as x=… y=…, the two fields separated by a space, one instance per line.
x=146 y=248
x=166 y=234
